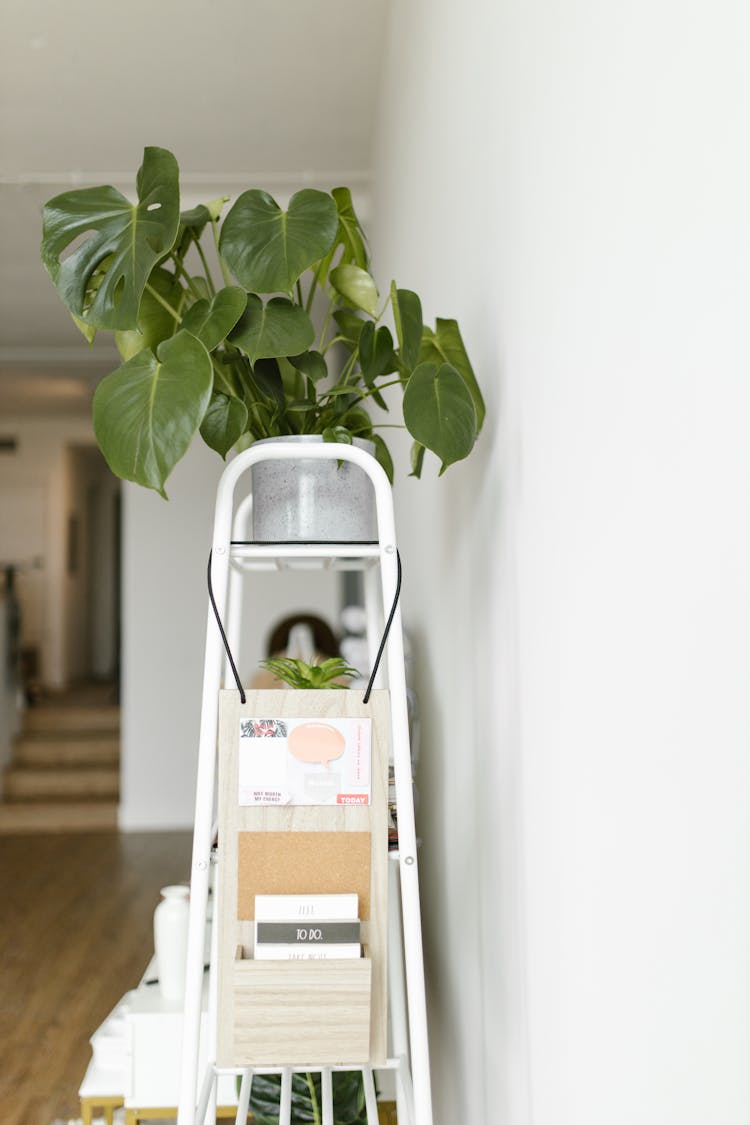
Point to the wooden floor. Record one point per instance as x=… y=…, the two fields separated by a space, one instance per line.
x=76 y=918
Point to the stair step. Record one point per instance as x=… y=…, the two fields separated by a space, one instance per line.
x=49 y=784
x=51 y=718
x=70 y=750
x=81 y=816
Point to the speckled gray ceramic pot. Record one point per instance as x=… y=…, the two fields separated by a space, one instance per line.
x=312 y=501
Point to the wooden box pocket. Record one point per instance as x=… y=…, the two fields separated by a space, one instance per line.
x=301 y=1012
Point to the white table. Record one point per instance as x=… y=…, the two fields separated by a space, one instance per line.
x=136 y=1059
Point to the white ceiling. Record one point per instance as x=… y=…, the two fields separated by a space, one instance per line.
x=246 y=93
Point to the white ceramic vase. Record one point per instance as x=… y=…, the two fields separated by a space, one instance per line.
x=170 y=940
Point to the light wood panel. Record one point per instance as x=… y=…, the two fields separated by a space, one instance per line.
x=234 y=819
x=76 y=932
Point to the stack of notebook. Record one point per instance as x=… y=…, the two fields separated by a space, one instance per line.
x=302 y=927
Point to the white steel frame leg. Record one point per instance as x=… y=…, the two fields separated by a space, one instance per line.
x=371 y=1101
x=285 y=1105
x=326 y=1090
x=243 y=1103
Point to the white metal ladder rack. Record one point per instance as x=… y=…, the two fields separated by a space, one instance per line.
x=232 y=558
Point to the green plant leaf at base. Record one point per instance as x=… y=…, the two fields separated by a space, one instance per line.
x=348 y=1098
x=147 y=412
x=224 y=422
x=92 y=224
x=439 y=412
x=266 y=248
x=212 y=321
x=356 y=285
x=337 y=434
x=278 y=328
x=445 y=345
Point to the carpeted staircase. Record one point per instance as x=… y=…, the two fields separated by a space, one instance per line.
x=65 y=775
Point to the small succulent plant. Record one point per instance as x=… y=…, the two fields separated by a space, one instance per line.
x=300 y=674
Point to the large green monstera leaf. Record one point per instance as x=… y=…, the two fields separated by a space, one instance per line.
x=99 y=248
x=266 y=248
x=147 y=412
x=439 y=412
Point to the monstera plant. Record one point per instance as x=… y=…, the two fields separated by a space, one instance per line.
x=275 y=328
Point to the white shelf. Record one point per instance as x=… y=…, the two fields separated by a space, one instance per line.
x=303 y=556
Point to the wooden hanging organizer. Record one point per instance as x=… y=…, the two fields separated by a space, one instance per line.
x=301 y=1012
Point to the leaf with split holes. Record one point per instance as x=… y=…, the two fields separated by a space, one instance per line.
x=439 y=412
x=147 y=412
x=92 y=224
x=275 y=329
x=266 y=248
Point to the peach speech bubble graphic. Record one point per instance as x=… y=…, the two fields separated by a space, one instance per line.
x=316 y=742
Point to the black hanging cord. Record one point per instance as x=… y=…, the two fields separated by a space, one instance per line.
x=223 y=634
x=386 y=631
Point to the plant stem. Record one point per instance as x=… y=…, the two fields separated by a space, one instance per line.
x=222 y=264
x=311 y=293
x=331 y=342
x=221 y=377
x=313 y=1099
x=362 y=395
x=348 y=367
x=206 y=270
x=165 y=304
x=384 y=386
x=326 y=322
x=183 y=272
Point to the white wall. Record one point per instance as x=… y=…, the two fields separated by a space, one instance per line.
x=164 y=608
x=571 y=181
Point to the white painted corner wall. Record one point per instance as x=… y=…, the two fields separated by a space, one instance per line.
x=571 y=182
